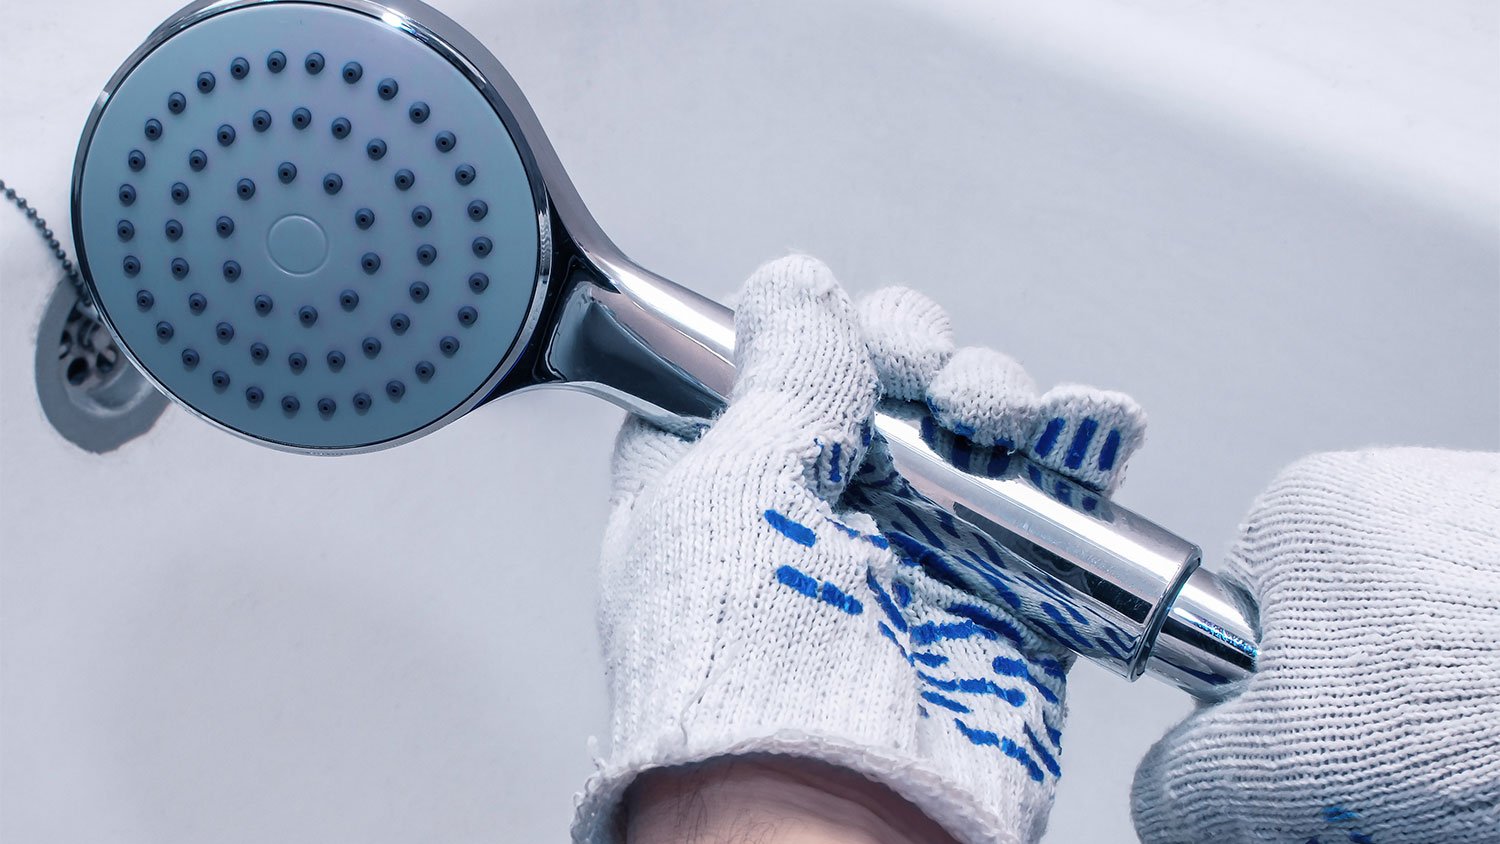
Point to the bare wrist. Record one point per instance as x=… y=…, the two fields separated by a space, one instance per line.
x=770 y=799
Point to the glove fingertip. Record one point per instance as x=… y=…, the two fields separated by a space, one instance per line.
x=1178 y=792
x=987 y=397
x=1088 y=434
x=910 y=338
x=797 y=334
x=1146 y=798
x=805 y=389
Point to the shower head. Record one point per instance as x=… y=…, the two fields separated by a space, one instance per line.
x=333 y=226
x=313 y=225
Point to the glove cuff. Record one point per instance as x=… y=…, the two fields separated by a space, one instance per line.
x=949 y=803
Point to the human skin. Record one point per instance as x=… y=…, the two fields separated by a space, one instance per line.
x=770 y=799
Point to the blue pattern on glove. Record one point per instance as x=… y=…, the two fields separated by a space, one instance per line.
x=1043 y=676
x=795 y=531
x=1340 y=816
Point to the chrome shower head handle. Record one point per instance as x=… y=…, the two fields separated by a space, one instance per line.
x=1131 y=593
x=333 y=226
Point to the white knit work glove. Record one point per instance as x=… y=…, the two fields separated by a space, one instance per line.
x=1375 y=713
x=745 y=608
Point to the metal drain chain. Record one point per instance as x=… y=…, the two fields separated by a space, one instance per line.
x=47 y=235
x=82 y=329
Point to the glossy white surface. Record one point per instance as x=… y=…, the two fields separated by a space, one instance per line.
x=1274 y=225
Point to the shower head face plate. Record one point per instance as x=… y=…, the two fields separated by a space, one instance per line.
x=308 y=225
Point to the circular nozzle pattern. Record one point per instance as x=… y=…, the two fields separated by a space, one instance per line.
x=298 y=283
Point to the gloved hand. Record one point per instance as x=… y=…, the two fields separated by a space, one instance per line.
x=1375 y=713
x=746 y=607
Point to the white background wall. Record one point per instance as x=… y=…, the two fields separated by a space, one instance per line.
x=1274 y=223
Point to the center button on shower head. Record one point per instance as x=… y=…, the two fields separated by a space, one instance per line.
x=297 y=244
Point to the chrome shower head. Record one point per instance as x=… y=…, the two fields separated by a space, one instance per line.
x=314 y=225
